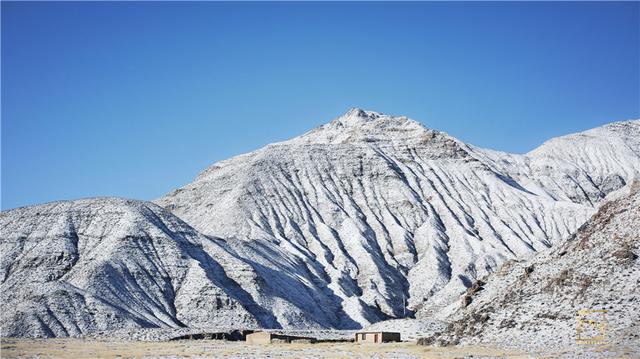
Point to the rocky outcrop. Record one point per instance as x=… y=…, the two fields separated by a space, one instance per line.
x=536 y=304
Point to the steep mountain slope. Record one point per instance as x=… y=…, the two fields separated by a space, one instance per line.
x=378 y=210
x=535 y=303
x=367 y=218
x=74 y=267
x=581 y=167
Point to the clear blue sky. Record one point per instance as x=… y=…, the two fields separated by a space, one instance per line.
x=134 y=99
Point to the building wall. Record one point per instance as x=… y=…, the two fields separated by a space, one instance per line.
x=390 y=337
x=368 y=337
x=377 y=337
x=259 y=338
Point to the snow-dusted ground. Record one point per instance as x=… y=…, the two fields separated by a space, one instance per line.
x=110 y=348
x=535 y=304
x=409 y=329
x=337 y=228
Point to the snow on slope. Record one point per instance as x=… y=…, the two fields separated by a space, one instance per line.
x=582 y=167
x=376 y=209
x=410 y=329
x=534 y=304
x=337 y=228
x=76 y=267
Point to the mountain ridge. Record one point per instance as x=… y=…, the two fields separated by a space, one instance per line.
x=367 y=218
x=594 y=274
x=332 y=175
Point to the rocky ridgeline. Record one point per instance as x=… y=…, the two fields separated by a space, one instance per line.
x=367 y=218
x=380 y=211
x=535 y=304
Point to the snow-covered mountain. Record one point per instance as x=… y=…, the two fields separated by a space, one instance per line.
x=380 y=209
x=369 y=217
x=75 y=267
x=536 y=303
x=581 y=167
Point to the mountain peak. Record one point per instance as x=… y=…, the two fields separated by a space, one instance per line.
x=357 y=116
x=364 y=126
